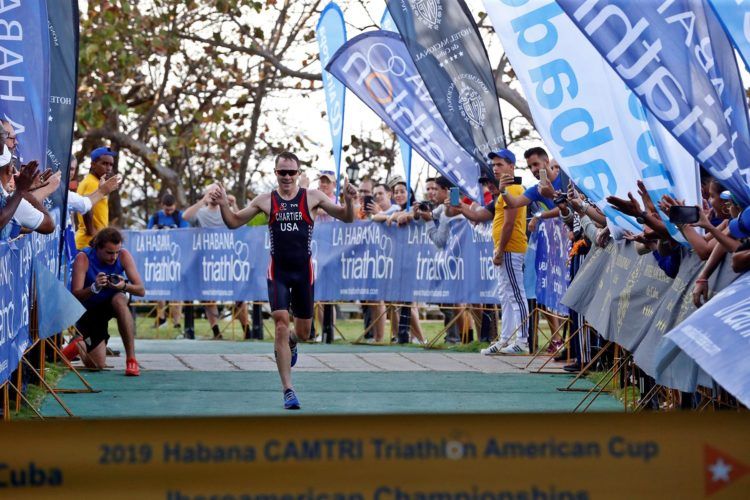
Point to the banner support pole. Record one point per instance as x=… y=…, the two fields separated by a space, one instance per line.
x=49 y=389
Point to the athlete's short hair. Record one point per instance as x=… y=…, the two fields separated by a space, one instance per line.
x=535 y=151
x=286 y=155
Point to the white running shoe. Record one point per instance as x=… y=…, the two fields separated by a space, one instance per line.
x=495 y=348
x=517 y=348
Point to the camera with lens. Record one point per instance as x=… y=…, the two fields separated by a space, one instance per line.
x=424 y=206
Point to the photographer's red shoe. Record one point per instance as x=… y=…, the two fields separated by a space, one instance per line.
x=70 y=351
x=131 y=368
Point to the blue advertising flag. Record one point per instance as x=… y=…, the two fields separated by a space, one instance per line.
x=331 y=34
x=447 y=49
x=591 y=123
x=63 y=62
x=735 y=16
x=717 y=337
x=377 y=67
x=24 y=77
x=677 y=58
x=387 y=24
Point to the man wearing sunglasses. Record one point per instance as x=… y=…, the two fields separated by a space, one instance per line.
x=290 y=210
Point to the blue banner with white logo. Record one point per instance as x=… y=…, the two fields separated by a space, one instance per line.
x=592 y=123
x=447 y=49
x=717 y=337
x=377 y=67
x=331 y=35
x=63 y=62
x=15 y=303
x=677 y=58
x=24 y=76
x=360 y=261
x=735 y=16
x=552 y=248
x=387 y=24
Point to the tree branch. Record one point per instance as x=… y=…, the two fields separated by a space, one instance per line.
x=254 y=50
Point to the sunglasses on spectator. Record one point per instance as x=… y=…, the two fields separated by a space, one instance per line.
x=287 y=173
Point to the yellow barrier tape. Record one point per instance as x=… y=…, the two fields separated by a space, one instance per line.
x=385 y=457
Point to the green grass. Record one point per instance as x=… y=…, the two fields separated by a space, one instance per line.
x=36 y=393
x=631 y=393
x=347 y=331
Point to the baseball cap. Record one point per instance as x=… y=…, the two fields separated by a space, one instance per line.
x=504 y=154
x=740 y=227
x=103 y=151
x=328 y=174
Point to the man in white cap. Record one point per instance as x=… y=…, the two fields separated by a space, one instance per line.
x=327 y=185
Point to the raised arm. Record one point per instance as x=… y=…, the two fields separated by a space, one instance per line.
x=475 y=215
x=719 y=233
x=234 y=220
x=192 y=211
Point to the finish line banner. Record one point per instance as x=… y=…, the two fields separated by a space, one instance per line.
x=358 y=457
x=359 y=261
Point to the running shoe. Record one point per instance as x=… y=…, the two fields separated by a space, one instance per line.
x=553 y=346
x=290 y=400
x=131 y=368
x=71 y=350
x=517 y=348
x=293 y=347
x=495 y=348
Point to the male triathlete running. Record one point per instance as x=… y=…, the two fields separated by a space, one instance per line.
x=290 y=274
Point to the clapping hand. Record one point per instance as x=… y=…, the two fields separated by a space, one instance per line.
x=27 y=176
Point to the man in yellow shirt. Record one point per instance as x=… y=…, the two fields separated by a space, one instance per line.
x=102 y=161
x=509 y=237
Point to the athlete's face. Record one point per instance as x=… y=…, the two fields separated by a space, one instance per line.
x=287 y=172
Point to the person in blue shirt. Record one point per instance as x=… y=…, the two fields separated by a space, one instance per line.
x=168 y=217
x=104 y=277
x=550 y=181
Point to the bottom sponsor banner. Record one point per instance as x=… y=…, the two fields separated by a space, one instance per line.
x=452 y=457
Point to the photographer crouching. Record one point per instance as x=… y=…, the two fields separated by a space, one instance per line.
x=103 y=276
